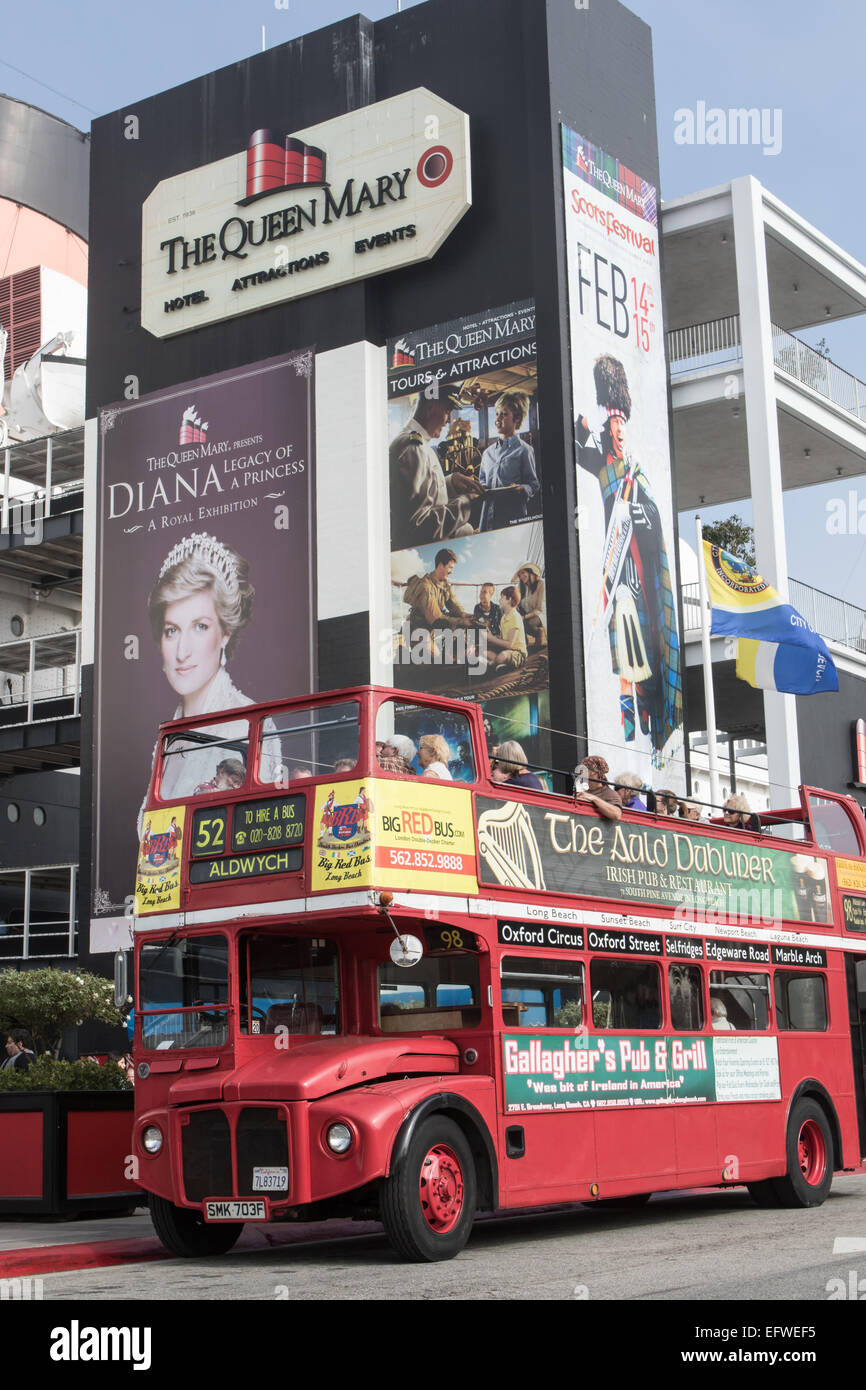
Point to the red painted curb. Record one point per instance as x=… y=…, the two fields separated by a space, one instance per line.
x=53 y=1259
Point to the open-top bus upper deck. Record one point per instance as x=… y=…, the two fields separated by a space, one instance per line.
x=298 y=804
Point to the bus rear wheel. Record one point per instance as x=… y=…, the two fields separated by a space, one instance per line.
x=428 y=1205
x=809 y=1149
x=765 y=1194
x=186 y=1233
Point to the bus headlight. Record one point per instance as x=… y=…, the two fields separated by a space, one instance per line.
x=151 y=1139
x=339 y=1138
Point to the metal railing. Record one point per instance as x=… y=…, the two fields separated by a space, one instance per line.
x=47 y=472
x=37 y=913
x=817 y=372
x=35 y=670
x=836 y=620
x=717 y=341
x=833 y=618
x=705 y=345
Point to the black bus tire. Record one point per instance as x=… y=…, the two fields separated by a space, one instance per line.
x=186 y=1233
x=764 y=1194
x=809 y=1150
x=428 y=1205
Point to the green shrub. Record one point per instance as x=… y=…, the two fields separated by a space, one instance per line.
x=47 y=1001
x=47 y=1074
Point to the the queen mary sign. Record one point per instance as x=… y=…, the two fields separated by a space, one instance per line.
x=300 y=211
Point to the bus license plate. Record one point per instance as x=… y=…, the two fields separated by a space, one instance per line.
x=233 y=1210
x=270 y=1180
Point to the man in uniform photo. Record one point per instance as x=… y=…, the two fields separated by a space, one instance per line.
x=425 y=505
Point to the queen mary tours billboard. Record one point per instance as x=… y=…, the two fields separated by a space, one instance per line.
x=205 y=596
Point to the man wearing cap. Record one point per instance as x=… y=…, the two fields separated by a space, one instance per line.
x=425 y=505
x=636 y=584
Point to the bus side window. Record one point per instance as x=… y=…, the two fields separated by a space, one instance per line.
x=685 y=996
x=739 y=1002
x=541 y=993
x=801 y=1002
x=625 y=994
x=833 y=827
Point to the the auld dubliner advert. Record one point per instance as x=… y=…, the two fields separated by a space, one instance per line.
x=205 y=598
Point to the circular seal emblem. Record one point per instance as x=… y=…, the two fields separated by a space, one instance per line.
x=736 y=575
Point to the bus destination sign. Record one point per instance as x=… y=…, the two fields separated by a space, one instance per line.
x=233 y=866
x=854 y=910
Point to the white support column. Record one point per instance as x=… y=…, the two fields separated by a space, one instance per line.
x=765 y=464
x=352 y=492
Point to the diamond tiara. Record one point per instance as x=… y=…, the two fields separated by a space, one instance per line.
x=208 y=549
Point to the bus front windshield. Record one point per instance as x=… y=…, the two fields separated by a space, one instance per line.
x=288 y=984
x=183 y=993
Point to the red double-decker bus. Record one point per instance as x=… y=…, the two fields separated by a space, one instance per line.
x=373 y=979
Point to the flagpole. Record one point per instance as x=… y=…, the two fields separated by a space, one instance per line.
x=709 y=695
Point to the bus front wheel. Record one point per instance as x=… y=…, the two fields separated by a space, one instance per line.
x=809 y=1149
x=428 y=1205
x=186 y=1233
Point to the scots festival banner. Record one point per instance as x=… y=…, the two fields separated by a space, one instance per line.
x=625 y=521
x=205 y=593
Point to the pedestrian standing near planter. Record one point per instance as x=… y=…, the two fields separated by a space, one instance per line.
x=19 y=1050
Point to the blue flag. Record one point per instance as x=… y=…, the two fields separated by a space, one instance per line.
x=777 y=648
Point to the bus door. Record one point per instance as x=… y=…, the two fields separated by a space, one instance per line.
x=855 y=975
x=546 y=1131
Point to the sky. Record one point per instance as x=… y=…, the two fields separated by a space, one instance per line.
x=794 y=56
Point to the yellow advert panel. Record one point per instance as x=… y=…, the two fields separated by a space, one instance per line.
x=851 y=873
x=399 y=835
x=157 y=882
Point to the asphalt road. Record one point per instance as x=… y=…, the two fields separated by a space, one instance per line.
x=703 y=1246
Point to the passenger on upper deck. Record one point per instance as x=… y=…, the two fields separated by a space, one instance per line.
x=598 y=793
x=736 y=813
x=510 y=768
x=627 y=785
x=667 y=802
x=434 y=756
x=397 y=755
x=690 y=810
x=230 y=775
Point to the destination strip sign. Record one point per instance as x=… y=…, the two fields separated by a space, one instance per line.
x=272 y=822
x=625 y=942
x=798 y=955
x=278 y=861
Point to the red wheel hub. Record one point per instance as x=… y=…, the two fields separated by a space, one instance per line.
x=441 y=1189
x=812 y=1153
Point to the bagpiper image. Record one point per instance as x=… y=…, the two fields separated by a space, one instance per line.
x=635 y=603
